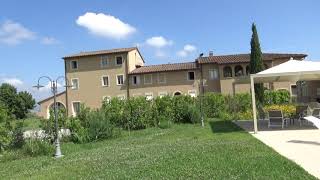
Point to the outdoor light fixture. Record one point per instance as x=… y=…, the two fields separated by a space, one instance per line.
x=201 y=85
x=54 y=90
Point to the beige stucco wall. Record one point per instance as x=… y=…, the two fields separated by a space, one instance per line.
x=89 y=73
x=176 y=81
x=91 y=91
x=134 y=59
x=226 y=82
x=210 y=85
x=44 y=106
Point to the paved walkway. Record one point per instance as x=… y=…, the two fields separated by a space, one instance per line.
x=299 y=145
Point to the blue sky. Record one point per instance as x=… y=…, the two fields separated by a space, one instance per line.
x=34 y=35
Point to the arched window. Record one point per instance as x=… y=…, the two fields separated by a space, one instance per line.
x=177 y=93
x=248 y=70
x=238 y=70
x=227 y=71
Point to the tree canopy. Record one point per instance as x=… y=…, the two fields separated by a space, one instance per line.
x=17 y=104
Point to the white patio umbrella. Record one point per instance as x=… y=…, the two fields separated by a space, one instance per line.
x=292 y=70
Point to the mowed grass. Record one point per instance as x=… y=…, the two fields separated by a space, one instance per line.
x=219 y=151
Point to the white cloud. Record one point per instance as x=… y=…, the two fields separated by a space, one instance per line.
x=160 y=54
x=105 y=25
x=158 y=42
x=13 y=81
x=47 y=87
x=49 y=41
x=187 y=49
x=13 y=33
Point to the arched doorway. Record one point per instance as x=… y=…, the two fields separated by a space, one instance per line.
x=60 y=106
x=177 y=93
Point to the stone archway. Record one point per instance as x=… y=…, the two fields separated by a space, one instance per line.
x=60 y=105
x=177 y=93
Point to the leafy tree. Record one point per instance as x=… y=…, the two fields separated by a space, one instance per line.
x=3 y=113
x=256 y=64
x=8 y=96
x=25 y=103
x=17 y=104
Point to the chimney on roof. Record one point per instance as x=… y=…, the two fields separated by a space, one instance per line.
x=210 y=53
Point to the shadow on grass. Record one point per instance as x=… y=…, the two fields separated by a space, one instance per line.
x=221 y=126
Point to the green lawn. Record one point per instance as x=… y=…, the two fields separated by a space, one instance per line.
x=219 y=151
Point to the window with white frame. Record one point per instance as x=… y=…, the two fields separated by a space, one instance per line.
x=162 y=78
x=149 y=96
x=148 y=79
x=162 y=94
x=74 y=64
x=105 y=81
x=106 y=99
x=136 y=80
x=75 y=83
x=104 y=61
x=75 y=108
x=191 y=76
x=192 y=93
x=120 y=79
x=122 y=97
x=119 y=60
x=213 y=74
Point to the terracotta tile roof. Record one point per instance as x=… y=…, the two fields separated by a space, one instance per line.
x=109 y=51
x=165 y=68
x=237 y=58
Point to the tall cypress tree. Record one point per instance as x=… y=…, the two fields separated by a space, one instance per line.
x=256 y=63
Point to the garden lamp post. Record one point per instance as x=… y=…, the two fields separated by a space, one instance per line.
x=200 y=83
x=54 y=90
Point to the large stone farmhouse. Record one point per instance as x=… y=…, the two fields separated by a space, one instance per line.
x=101 y=75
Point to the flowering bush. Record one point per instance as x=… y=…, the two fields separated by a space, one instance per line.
x=288 y=110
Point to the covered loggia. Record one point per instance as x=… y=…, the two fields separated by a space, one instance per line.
x=292 y=70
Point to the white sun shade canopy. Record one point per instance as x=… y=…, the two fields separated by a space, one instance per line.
x=292 y=70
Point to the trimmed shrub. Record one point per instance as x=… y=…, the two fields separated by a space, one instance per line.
x=162 y=109
x=115 y=111
x=277 y=97
x=138 y=113
x=185 y=110
x=227 y=107
x=214 y=104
